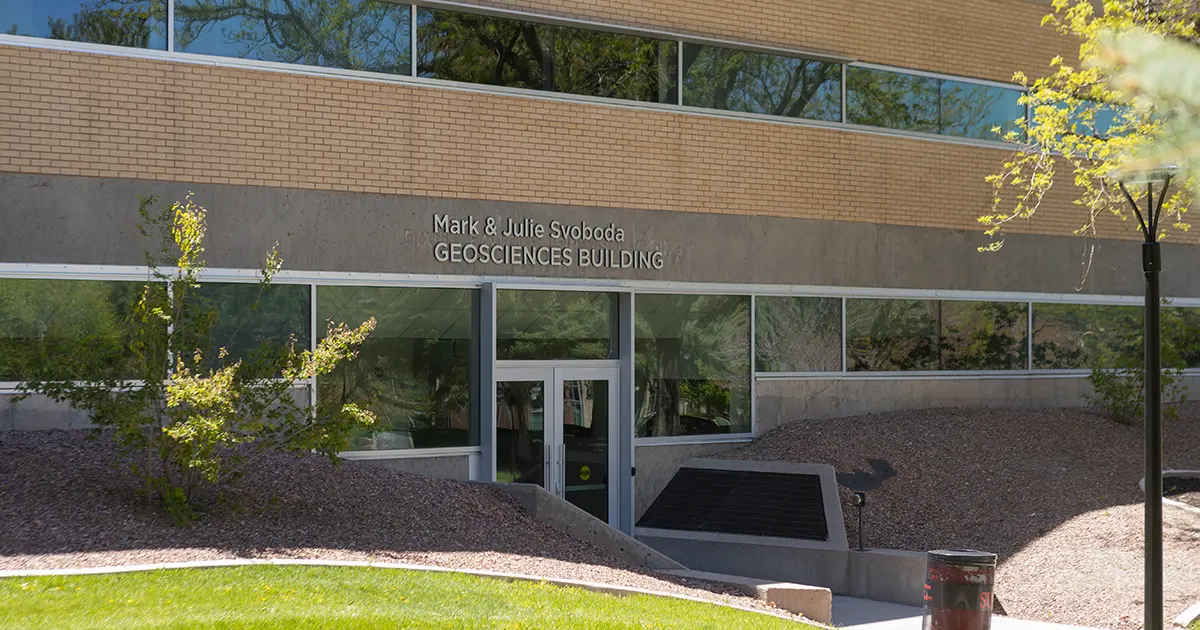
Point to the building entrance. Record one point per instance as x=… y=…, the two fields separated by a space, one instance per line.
x=555 y=426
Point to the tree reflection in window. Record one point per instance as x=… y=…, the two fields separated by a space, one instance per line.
x=982 y=335
x=497 y=51
x=886 y=335
x=905 y=335
x=760 y=83
x=252 y=321
x=692 y=364
x=543 y=325
x=414 y=371
x=65 y=329
x=798 y=334
x=133 y=23
x=1079 y=336
x=349 y=34
x=896 y=100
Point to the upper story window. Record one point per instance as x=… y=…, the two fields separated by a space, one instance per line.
x=349 y=34
x=761 y=83
x=497 y=51
x=136 y=23
x=377 y=36
x=896 y=100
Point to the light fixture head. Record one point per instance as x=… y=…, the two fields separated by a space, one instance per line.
x=1143 y=176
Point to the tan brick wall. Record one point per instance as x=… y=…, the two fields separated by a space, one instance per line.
x=988 y=39
x=107 y=116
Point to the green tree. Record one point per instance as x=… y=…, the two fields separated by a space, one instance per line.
x=1160 y=74
x=188 y=427
x=1083 y=124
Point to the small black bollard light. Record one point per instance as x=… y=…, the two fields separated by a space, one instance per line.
x=860 y=501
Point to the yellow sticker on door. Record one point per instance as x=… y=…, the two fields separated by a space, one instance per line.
x=585 y=473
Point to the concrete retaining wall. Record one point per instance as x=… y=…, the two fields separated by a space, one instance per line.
x=565 y=517
x=879 y=574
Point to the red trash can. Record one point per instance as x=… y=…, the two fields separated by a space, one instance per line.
x=958 y=589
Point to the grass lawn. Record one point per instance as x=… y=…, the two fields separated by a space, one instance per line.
x=267 y=596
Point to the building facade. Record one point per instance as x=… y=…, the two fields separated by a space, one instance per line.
x=599 y=238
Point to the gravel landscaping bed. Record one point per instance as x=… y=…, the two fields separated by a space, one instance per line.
x=1054 y=493
x=64 y=504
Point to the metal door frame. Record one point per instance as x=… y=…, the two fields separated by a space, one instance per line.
x=552 y=375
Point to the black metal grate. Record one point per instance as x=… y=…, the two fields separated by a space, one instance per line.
x=783 y=505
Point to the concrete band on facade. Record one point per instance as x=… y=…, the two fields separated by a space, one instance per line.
x=92 y=221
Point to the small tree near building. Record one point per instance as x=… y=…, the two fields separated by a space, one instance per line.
x=188 y=423
x=1083 y=125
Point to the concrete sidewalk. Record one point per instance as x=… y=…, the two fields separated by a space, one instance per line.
x=867 y=614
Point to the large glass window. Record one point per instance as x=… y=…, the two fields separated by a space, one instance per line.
x=692 y=364
x=135 y=23
x=982 y=335
x=1077 y=336
x=900 y=335
x=555 y=325
x=798 y=334
x=65 y=329
x=760 y=83
x=351 y=34
x=971 y=110
x=895 y=100
x=252 y=319
x=886 y=335
x=414 y=371
x=1181 y=337
x=497 y=51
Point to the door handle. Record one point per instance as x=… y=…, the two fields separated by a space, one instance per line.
x=562 y=469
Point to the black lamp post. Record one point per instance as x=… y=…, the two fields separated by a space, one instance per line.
x=1151 y=266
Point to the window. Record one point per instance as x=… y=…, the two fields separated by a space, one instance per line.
x=1180 y=343
x=895 y=100
x=982 y=335
x=798 y=334
x=971 y=110
x=760 y=83
x=349 y=34
x=414 y=371
x=1078 y=336
x=555 y=325
x=497 y=51
x=134 y=23
x=66 y=329
x=692 y=364
x=905 y=335
x=888 y=335
x=252 y=319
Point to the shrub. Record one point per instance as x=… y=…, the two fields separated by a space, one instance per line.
x=189 y=423
x=1120 y=393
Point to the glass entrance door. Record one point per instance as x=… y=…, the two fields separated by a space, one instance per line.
x=555 y=426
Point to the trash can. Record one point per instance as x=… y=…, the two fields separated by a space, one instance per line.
x=958 y=589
